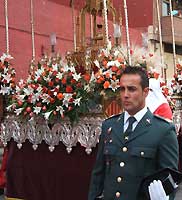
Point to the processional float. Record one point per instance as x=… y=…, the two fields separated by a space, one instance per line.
x=93 y=7
x=63 y=131
x=87 y=130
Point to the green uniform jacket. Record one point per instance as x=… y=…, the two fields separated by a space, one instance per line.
x=122 y=162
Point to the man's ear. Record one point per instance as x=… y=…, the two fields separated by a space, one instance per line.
x=146 y=91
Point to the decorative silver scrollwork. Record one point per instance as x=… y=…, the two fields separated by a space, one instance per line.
x=177 y=120
x=36 y=130
x=177 y=114
x=6 y=132
x=90 y=134
x=52 y=136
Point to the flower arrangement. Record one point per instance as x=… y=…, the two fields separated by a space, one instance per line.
x=176 y=82
x=108 y=69
x=7 y=75
x=53 y=89
x=59 y=88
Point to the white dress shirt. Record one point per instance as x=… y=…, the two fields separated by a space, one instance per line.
x=138 y=116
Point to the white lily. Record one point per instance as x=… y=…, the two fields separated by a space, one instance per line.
x=47 y=114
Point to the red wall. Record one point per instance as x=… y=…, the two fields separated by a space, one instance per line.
x=50 y=16
x=140 y=12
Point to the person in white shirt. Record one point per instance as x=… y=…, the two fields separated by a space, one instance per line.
x=156 y=101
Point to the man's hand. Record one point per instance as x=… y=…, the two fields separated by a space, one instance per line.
x=156 y=191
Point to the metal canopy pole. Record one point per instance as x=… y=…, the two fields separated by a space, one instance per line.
x=7 y=26
x=160 y=39
x=173 y=38
x=32 y=30
x=127 y=33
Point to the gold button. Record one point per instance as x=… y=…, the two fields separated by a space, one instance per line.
x=118 y=194
x=125 y=149
x=121 y=164
x=106 y=151
x=126 y=137
x=142 y=153
x=119 y=179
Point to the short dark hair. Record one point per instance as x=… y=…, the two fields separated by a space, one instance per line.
x=140 y=71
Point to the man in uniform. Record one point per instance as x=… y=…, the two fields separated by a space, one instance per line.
x=132 y=145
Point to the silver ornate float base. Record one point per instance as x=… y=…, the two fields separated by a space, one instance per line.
x=86 y=132
x=177 y=114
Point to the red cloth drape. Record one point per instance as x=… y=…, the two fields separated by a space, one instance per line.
x=41 y=174
x=3 y=169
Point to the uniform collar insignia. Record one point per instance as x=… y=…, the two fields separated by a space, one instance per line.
x=148 y=121
x=109 y=130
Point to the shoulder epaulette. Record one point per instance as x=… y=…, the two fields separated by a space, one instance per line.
x=162 y=118
x=113 y=116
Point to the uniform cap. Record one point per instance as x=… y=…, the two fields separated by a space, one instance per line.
x=169 y=178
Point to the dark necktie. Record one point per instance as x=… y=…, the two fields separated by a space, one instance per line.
x=131 y=121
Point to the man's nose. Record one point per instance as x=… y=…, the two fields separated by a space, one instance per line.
x=126 y=93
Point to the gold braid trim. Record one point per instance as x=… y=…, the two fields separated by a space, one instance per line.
x=7 y=198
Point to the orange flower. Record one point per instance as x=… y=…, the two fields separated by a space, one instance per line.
x=114 y=77
x=114 y=68
x=49 y=69
x=60 y=96
x=120 y=60
x=52 y=100
x=63 y=81
x=44 y=89
x=100 y=79
x=28 y=109
x=51 y=83
x=106 y=84
x=69 y=89
x=87 y=77
x=44 y=73
x=107 y=75
x=54 y=73
x=73 y=81
x=118 y=73
x=50 y=93
x=104 y=62
x=79 y=85
x=20 y=103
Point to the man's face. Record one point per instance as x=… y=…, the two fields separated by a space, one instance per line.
x=132 y=94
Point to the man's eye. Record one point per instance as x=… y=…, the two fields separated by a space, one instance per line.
x=122 y=89
x=131 y=89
